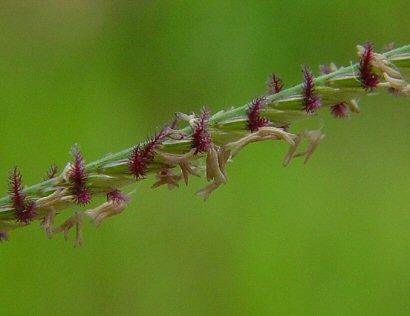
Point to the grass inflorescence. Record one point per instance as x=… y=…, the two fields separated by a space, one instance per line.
x=203 y=144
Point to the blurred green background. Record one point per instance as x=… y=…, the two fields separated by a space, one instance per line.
x=328 y=238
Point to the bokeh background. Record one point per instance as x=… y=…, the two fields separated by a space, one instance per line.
x=328 y=238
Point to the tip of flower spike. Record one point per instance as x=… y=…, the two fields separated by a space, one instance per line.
x=311 y=101
x=368 y=78
x=275 y=84
x=78 y=179
x=339 y=110
x=255 y=121
x=200 y=135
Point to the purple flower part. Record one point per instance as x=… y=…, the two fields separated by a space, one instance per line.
x=16 y=194
x=255 y=121
x=137 y=162
x=82 y=195
x=339 y=110
x=275 y=84
x=311 y=101
x=368 y=78
x=141 y=155
x=78 y=179
x=152 y=143
x=200 y=135
x=28 y=214
x=24 y=210
x=52 y=172
x=3 y=236
x=117 y=197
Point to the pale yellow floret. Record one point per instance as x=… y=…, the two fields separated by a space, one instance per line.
x=74 y=221
x=106 y=210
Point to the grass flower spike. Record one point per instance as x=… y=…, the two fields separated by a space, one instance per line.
x=202 y=145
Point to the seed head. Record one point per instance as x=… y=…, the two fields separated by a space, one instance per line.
x=311 y=101
x=368 y=78
x=274 y=84
x=200 y=135
x=255 y=121
x=78 y=179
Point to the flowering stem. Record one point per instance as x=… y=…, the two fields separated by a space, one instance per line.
x=197 y=142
